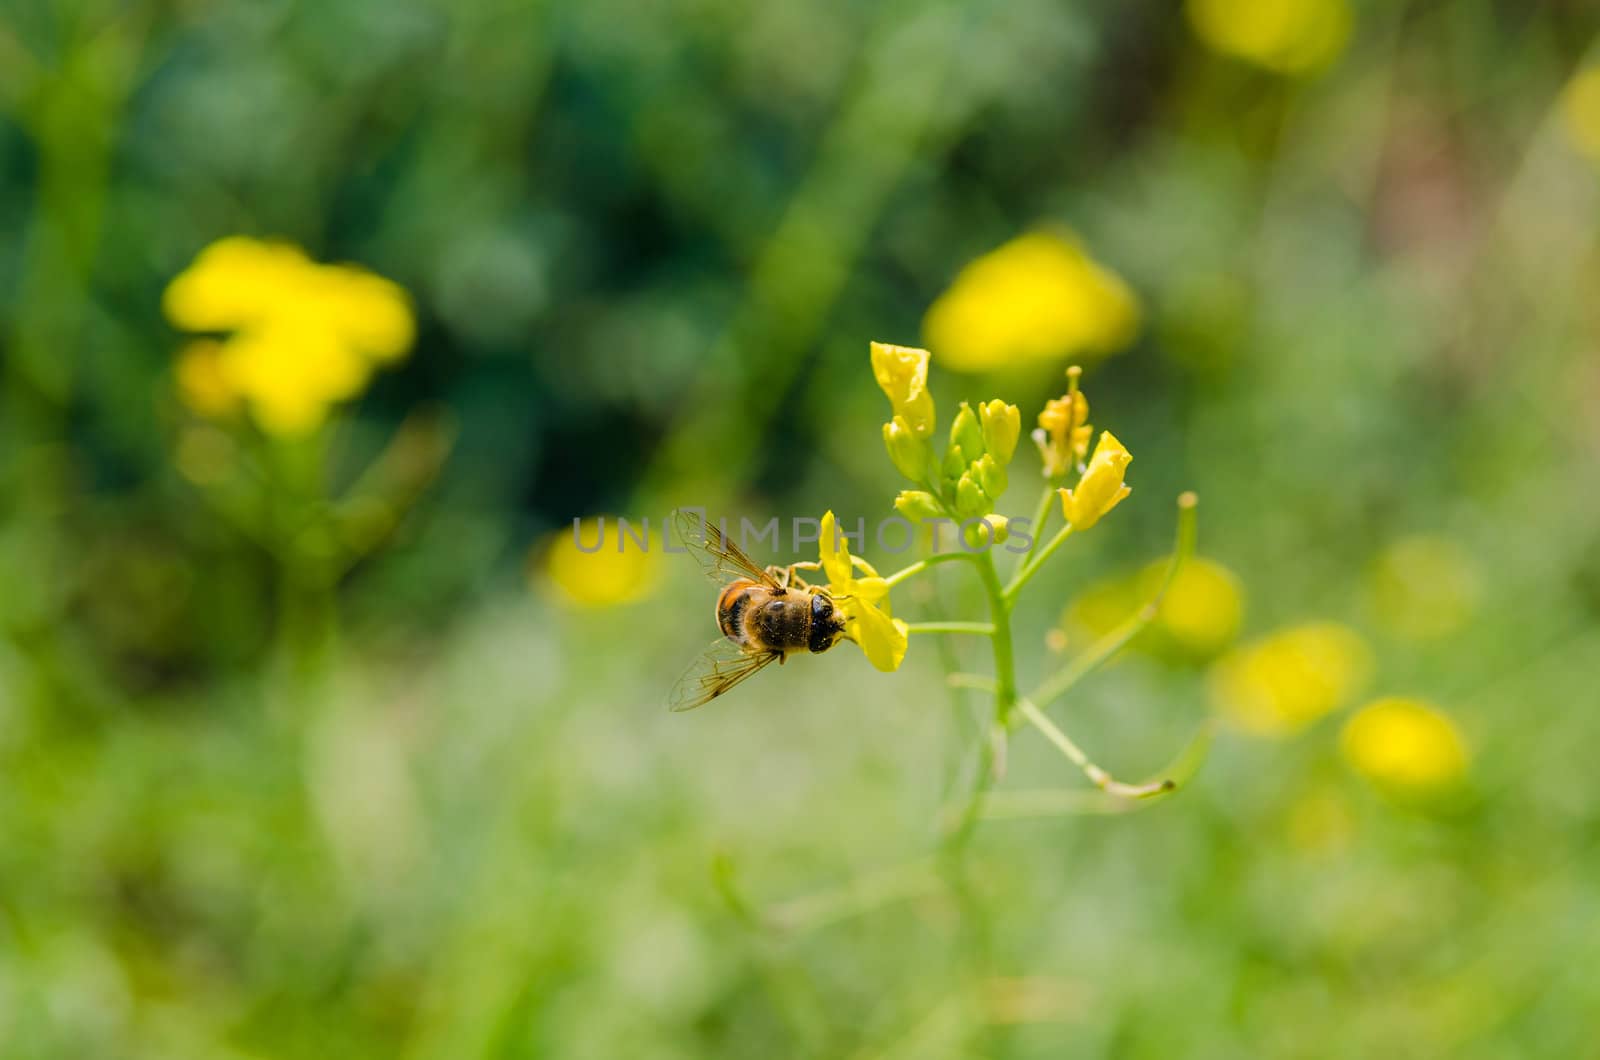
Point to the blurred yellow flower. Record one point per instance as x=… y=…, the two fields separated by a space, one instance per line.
x=1424 y=587
x=1036 y=298
x=301 y=336
x=1405 y=744
x=601 y=577
x=1580 y=112
x=882 y=639
x=1203 y=607
x=1282 y=682
x=1101 y=488
x=1285 y=36
x=1199 y=616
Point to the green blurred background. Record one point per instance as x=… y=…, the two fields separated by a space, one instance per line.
x=317 y=746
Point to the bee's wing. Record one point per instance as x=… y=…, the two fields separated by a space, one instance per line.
x=721 y=559
x=720 y=667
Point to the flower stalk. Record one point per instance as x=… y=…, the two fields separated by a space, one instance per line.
x=962 y=484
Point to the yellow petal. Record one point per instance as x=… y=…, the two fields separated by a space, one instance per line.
x=834 y=554
x=233 y=283
x=882 y=639
x=902 y=373
x=1101 y=488
x=871 y=589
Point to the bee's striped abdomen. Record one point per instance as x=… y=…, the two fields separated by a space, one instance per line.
x=731 y=607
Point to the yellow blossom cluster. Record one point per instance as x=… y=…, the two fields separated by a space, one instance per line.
x=966 y=481
x=297 y=337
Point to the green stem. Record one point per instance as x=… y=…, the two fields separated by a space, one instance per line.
x=1097 y=776
x=1041 y=519
x=1005 y=677
x=1068 y=676
x=991 y=751
x=923 y=564
x=982 y=629
x=1035 y=563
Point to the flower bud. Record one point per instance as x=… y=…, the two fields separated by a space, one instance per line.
x=991 y=475
x=971 y=501
x=955 y=462
x=966 y=434
x=1002 y=424
x=909 y=452
x=1101 y=488
x=917 y=505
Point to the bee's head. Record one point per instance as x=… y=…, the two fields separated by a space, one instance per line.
x=827 y=624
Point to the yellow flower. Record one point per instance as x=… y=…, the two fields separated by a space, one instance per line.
x=1424 y=587
x=902 y=373
x=1284 y=681
x=882 y=639
x=1580 y=112
x=607 y=576
x=1405 y=744
x=1101 y=488
x=1036 y=298
x=301 y=336
x=1285 y=36
x=1064 y=431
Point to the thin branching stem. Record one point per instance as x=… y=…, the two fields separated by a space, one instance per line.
x=1041 y=519
x=1097 y=776
x=1064 y=679
x=982 y=629
x=923 y=564
x=1032 y=565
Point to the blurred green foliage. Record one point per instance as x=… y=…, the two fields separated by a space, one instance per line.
x=294 y=763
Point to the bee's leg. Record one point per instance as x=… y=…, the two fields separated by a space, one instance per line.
x=782 y=575
x=791 y=576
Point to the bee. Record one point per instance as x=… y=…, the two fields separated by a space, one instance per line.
x=765 y=614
